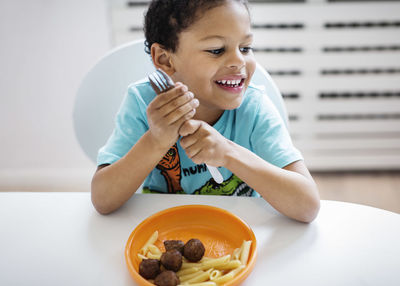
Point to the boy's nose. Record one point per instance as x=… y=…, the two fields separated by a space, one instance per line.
x=236 y=60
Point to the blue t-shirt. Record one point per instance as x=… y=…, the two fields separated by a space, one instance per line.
x=255 y=125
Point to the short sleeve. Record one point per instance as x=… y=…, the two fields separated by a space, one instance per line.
x=130 y=125
x=270 y=138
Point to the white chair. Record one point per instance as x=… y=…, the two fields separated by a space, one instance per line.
x=103 y=88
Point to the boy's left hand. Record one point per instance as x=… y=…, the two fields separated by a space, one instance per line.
x=203 y=144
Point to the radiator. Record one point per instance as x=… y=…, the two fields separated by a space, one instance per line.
x=337 y=65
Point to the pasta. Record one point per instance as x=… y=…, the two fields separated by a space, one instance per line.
x=186 y=264
x=154 y=249
x=230 y=265
x=229 y=276
x=187 y=271
x=151 y=240
x=215 y=263
x=236 y=253
x=153 y=256
x=188 y=277
x=207 y=283
x=208 y=271
x=244 y=255
x=201 y=277
x=215 y=274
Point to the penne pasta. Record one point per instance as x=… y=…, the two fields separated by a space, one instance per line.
x=215 y=274
x=214 y=263
x=154 y=249
x=200 y=278
x=153 y=256
x=223 y=279
x=187 y=277
x=151 y=240
x=229 y=276
x=239 y=253
x=208 y=283
x=236 y=253
x=229 y=265
x=206 y=258
x=187 y=271
x=237 y=270
x=244 y=255
x=186 y=265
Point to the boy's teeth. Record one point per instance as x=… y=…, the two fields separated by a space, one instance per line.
x=230 y=82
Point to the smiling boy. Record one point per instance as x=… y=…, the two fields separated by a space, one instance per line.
x=213 y=116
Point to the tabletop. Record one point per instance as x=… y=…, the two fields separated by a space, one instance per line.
x=59 y=239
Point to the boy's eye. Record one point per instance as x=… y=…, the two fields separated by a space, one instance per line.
x=246 y=50
x=216 y=51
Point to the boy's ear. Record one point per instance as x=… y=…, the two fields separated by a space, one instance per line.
x=162 y=58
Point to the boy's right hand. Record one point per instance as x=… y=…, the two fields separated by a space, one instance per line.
x=168 y=111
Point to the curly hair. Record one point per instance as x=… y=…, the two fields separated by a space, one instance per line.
x=165 y=19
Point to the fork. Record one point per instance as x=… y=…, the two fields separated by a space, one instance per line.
x=161 y=82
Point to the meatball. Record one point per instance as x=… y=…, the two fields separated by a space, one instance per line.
x=174 y=244
x=149 y=268
x=193 y=250
x=172 y=260
x=167 y=278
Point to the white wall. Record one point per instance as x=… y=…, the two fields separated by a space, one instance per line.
x=46 y=47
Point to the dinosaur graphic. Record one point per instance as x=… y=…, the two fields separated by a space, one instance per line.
x=230 y=187
x=170 y=167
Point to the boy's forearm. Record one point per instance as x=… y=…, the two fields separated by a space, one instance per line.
x=113 y=185
x=291 y=193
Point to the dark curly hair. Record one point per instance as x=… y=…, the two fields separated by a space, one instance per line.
x=165 y=19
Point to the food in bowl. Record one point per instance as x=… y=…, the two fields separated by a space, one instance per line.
x=195 y=268
x=193 y=250
x=149 y=268
x=174 y=244
x=167 y=278
x=171 y=260
x=207 y=223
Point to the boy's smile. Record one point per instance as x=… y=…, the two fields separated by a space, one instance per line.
x=214 y=59
x=233 y=83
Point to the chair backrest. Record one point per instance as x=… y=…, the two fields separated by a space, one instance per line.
x=103 y=88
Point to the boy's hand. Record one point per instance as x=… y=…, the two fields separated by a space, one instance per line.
x=203 y=144
x=168 y=111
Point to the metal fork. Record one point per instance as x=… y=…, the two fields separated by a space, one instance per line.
x=161 y=82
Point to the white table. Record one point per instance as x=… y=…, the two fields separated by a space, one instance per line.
x=59 y=239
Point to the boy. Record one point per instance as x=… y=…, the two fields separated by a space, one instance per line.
x=205 y=46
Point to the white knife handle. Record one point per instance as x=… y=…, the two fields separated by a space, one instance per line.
x=215 y=174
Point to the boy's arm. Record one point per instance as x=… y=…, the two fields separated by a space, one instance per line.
x=290 y=190
x=114 y=184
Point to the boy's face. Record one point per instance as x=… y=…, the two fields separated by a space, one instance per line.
x=214 y=59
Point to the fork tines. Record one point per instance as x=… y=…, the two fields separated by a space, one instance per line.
x=160 y=81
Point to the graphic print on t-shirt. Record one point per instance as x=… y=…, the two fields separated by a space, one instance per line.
x=230 y=187
x=170 y=167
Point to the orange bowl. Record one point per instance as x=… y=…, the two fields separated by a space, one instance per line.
x=219 y=230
